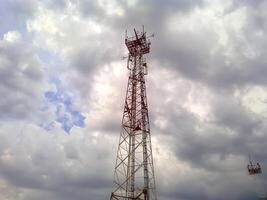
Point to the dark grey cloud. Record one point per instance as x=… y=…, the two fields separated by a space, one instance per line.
x=215 y=148
x=232 y=130
x=198 y=55
x=152 y=14
x=89 y=8
x=21 y=79
x=206 y=156
x=47 y=167
x=250 y=3
x=209 y=147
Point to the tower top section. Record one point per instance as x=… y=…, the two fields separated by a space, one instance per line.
x=138 y=44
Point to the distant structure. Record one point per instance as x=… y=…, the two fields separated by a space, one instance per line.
x=254 y=169
x=134 y=172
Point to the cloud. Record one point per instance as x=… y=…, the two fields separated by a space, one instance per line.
x=205 y=88
x=15 y=13
x=216 y=48
x=21 y=78
x=12 y=36
x=44 y=168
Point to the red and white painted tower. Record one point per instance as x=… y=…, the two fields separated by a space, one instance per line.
x=134 y=172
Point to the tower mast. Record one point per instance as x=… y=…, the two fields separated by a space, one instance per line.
x=134 y=172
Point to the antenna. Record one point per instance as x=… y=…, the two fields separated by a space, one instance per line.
x=134 y=171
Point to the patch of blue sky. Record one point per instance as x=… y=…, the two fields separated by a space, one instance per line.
x=66 y=115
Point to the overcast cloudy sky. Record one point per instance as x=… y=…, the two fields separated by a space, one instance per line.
x=63 y=82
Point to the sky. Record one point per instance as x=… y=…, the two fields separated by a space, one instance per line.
x=63 y=83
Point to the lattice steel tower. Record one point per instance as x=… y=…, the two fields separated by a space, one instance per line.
x=134 y=172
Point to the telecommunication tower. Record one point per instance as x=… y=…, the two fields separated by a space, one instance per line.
x=134 y=172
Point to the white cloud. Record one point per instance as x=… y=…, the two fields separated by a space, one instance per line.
x=12 y=36
x=255 y=99
x=203 y=121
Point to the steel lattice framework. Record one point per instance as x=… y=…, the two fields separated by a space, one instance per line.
x=134 y=172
